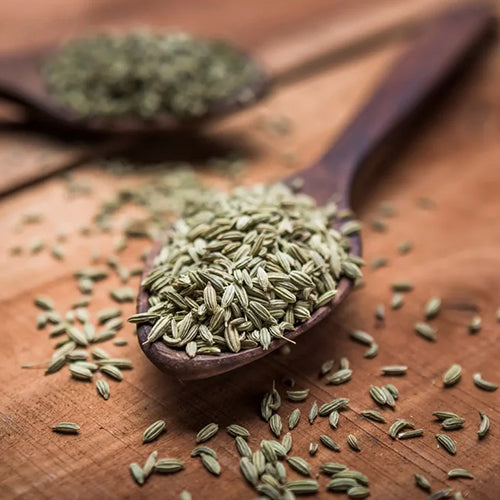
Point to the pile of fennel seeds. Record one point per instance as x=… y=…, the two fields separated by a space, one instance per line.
x=245 y=269
x=147 y=74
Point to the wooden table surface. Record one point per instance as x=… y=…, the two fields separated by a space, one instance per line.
x=453 y=159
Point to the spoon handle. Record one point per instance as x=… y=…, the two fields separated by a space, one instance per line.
x=414 y=77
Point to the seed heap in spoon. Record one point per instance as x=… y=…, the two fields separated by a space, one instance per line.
x=145 y=74
x=244 y=270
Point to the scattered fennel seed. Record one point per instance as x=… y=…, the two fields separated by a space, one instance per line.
x=402 y=286
x=426 y=331
x=452 y=375
x=432 y=308
x=475 y=325
x=484 y=384
x=405 y=247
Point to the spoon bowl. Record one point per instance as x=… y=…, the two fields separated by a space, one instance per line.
x=414 y=77
x=21 y=81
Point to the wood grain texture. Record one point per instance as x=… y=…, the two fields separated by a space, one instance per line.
x=452 y=159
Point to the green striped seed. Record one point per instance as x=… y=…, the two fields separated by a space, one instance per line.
x=460 y=474
x=153 y=431
x=373 y=415
x=426 y=331
x=484 y=425
x=299 y=465
x=209 y=431
x=422 y=482
x=66 y=428
x=447 y=443
x=484 y=384
x=352 y=441
x=452 y=375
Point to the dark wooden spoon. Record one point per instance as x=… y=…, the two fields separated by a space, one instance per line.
x=417 y=74
x=21 y=82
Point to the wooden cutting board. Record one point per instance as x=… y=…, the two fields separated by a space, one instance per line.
x=451 y=159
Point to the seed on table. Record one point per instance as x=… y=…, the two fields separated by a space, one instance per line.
x=168 y=465
x=105 y=315
x=237 y=430
x=405 y=247
x=200 y=450
x=302 y=486
x=211 y=464
x=313 y=448
x=353 y=474
x=362 y=337
x=397 y=301
x=380 y=312
x=426 y=331
x=293 y=419
x=58 y=252
x=153 y=431
x=112 y=371
x=439 y=495
x=394 y=370
x=392 y=389
x=299 y=465
x=453 y=423
x=432 y=308
x=378 y=225
x=475 y=325
x=242 y=447
x=103 y=388
x=80 y=372
x=443 y=415
x=330 y=468
x=422 y=482
x=373 y=415
x=452 y=375
x=44 y=303
x=313 y=413
x=352 y=441
x=333 y=419
x=137 y=473
x=378 y=395
x=402 y=286
x=411 y=434
x=344 y=363
x=122 y=294
x=334 y=405
x=209 y=431
x=460 y=474
x=185 y=495
x=149 y=464
x=66 y=428
x=328 y=442
x=287 y=442
x=56 y=363
x=326 y=367
x=447 y=443
x=249 y=471
x=371 y=352
x=484 y=425
x=340 y=377
x=379 y=262
x=358 y=492
x=484 y=384
x=341 y=484
x=122 y=363
x=297 y=396
x=398 y=426
x=276 y=425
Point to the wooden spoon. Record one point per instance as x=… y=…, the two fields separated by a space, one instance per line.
x=21 y=81
x=416 y=75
